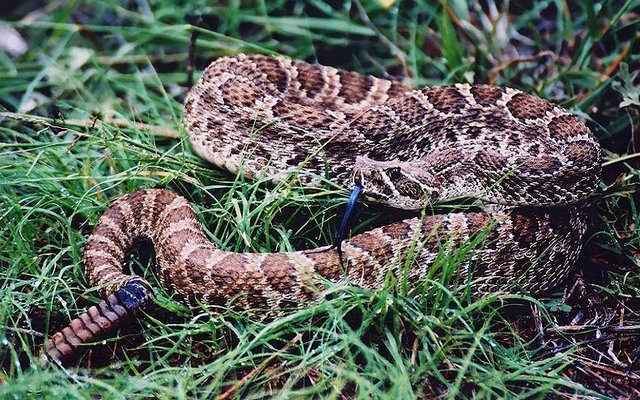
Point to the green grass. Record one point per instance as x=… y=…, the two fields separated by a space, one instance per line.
x=92 y=110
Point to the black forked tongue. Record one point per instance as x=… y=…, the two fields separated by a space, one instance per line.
x=345 y=219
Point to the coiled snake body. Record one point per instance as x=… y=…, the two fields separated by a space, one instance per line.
x=531 y=163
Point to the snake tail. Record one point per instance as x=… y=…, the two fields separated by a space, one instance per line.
x=98 y=322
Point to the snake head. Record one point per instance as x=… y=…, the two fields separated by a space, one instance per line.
x=399 y=184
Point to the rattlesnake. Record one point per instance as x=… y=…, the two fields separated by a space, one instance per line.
x=531 y=165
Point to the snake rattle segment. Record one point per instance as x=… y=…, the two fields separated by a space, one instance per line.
x=531 y=163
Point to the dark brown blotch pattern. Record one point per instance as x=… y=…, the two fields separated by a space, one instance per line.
x=302 y=116
x=326 y=263
x=279 y=272
x=447 y=159
x=397 y=231
x=380 y=249
x=410 y=110
x=539 y=166
x=487 y=95
x=375 y=124
x=276 y=73
x=526 y=106
x=446 y=99
x=354 y=87
x=397 y=89
x=583 y=153
x=310 y=79
x=566 y=126
x=236 y=93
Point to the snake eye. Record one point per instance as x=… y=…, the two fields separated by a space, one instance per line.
x=394 y=173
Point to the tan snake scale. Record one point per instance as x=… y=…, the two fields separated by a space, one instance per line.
x=531 y=164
